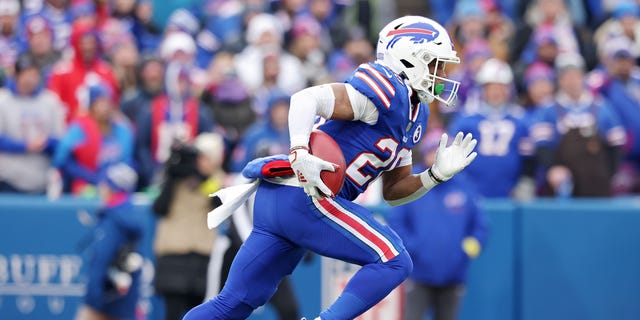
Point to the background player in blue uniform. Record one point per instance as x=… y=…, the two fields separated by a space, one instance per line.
x=502 y=133
x=113 y=263
x=376 y=117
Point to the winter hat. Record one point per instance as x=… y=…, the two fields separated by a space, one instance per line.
x=177 y=41
x=211 y=145
x=97 y=91
x=184 y=21
x=262 y=23
x=477 y=48
x=626 y=8
x=568 y=61
x=276 y=97
x=36 y=24
x=305 y=25
x=538 y=71
x=619 y=47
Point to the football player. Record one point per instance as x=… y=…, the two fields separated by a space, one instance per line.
x=376 y=117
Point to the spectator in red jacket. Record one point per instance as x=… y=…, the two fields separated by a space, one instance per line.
x=70 y=79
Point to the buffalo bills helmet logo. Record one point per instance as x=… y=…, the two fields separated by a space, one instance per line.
x=419 y=32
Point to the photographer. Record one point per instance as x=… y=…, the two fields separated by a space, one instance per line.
x=183 y=243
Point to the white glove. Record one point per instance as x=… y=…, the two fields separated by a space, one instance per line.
x=452 y=159
x=307 y=168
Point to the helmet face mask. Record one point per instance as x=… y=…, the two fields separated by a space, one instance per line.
x=418 y=49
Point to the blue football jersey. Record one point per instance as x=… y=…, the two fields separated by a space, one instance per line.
x=503 y=142
x=370 y=150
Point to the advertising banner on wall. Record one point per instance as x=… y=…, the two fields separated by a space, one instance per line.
x=42 y=252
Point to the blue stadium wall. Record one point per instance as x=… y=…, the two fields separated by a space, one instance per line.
x=545 y=260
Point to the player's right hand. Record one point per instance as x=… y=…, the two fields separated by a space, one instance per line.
x=307 y=168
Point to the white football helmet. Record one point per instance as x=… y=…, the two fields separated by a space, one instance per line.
x=408 y=45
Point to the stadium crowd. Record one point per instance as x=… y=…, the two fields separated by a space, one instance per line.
x=550 y=89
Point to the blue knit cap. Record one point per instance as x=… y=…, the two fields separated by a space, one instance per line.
x=97 y=91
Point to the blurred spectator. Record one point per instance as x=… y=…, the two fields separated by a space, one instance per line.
x=124 y=60
x=150 y=83
x=500 y=28
x=265 y=37
x=174 y=117
x=355 y=51
x=146 y=32
x=31 y=122
x=624 y=23
x=9 y=36
x=231 y=104
x=579 y=139
x=305 y=45
x=331 y=16
x=182 y=206
x=223 y=26
x=469 y=22
x=544 y=50
x=84 y=11
x=182 y=20
x=622 y=89
x=124 y=12
x=58 y=14
x=94 y=12
x=266 y=138
x=474 y=55
x=39 y=36
x=286 y=11
x=442 y=231
x=114 y=262
x=270 y=74
x=70 y=79
x=539 y=82
x=113 y=34
x=93 y=141
x=503 y=138
x=551 y=16
x=179 y=48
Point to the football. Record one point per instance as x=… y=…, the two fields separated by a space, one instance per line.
x=324 y=147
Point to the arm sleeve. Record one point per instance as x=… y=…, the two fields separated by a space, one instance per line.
x=75 y=170
x=612 y=129
x=66 y=145
x=11 y=145
x=305 y=106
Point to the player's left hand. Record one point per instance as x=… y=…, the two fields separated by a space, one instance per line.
x=452 y=159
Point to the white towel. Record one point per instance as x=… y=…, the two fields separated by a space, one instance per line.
x=232 y=198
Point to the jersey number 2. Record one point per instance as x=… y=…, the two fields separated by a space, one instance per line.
x=355 y=170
